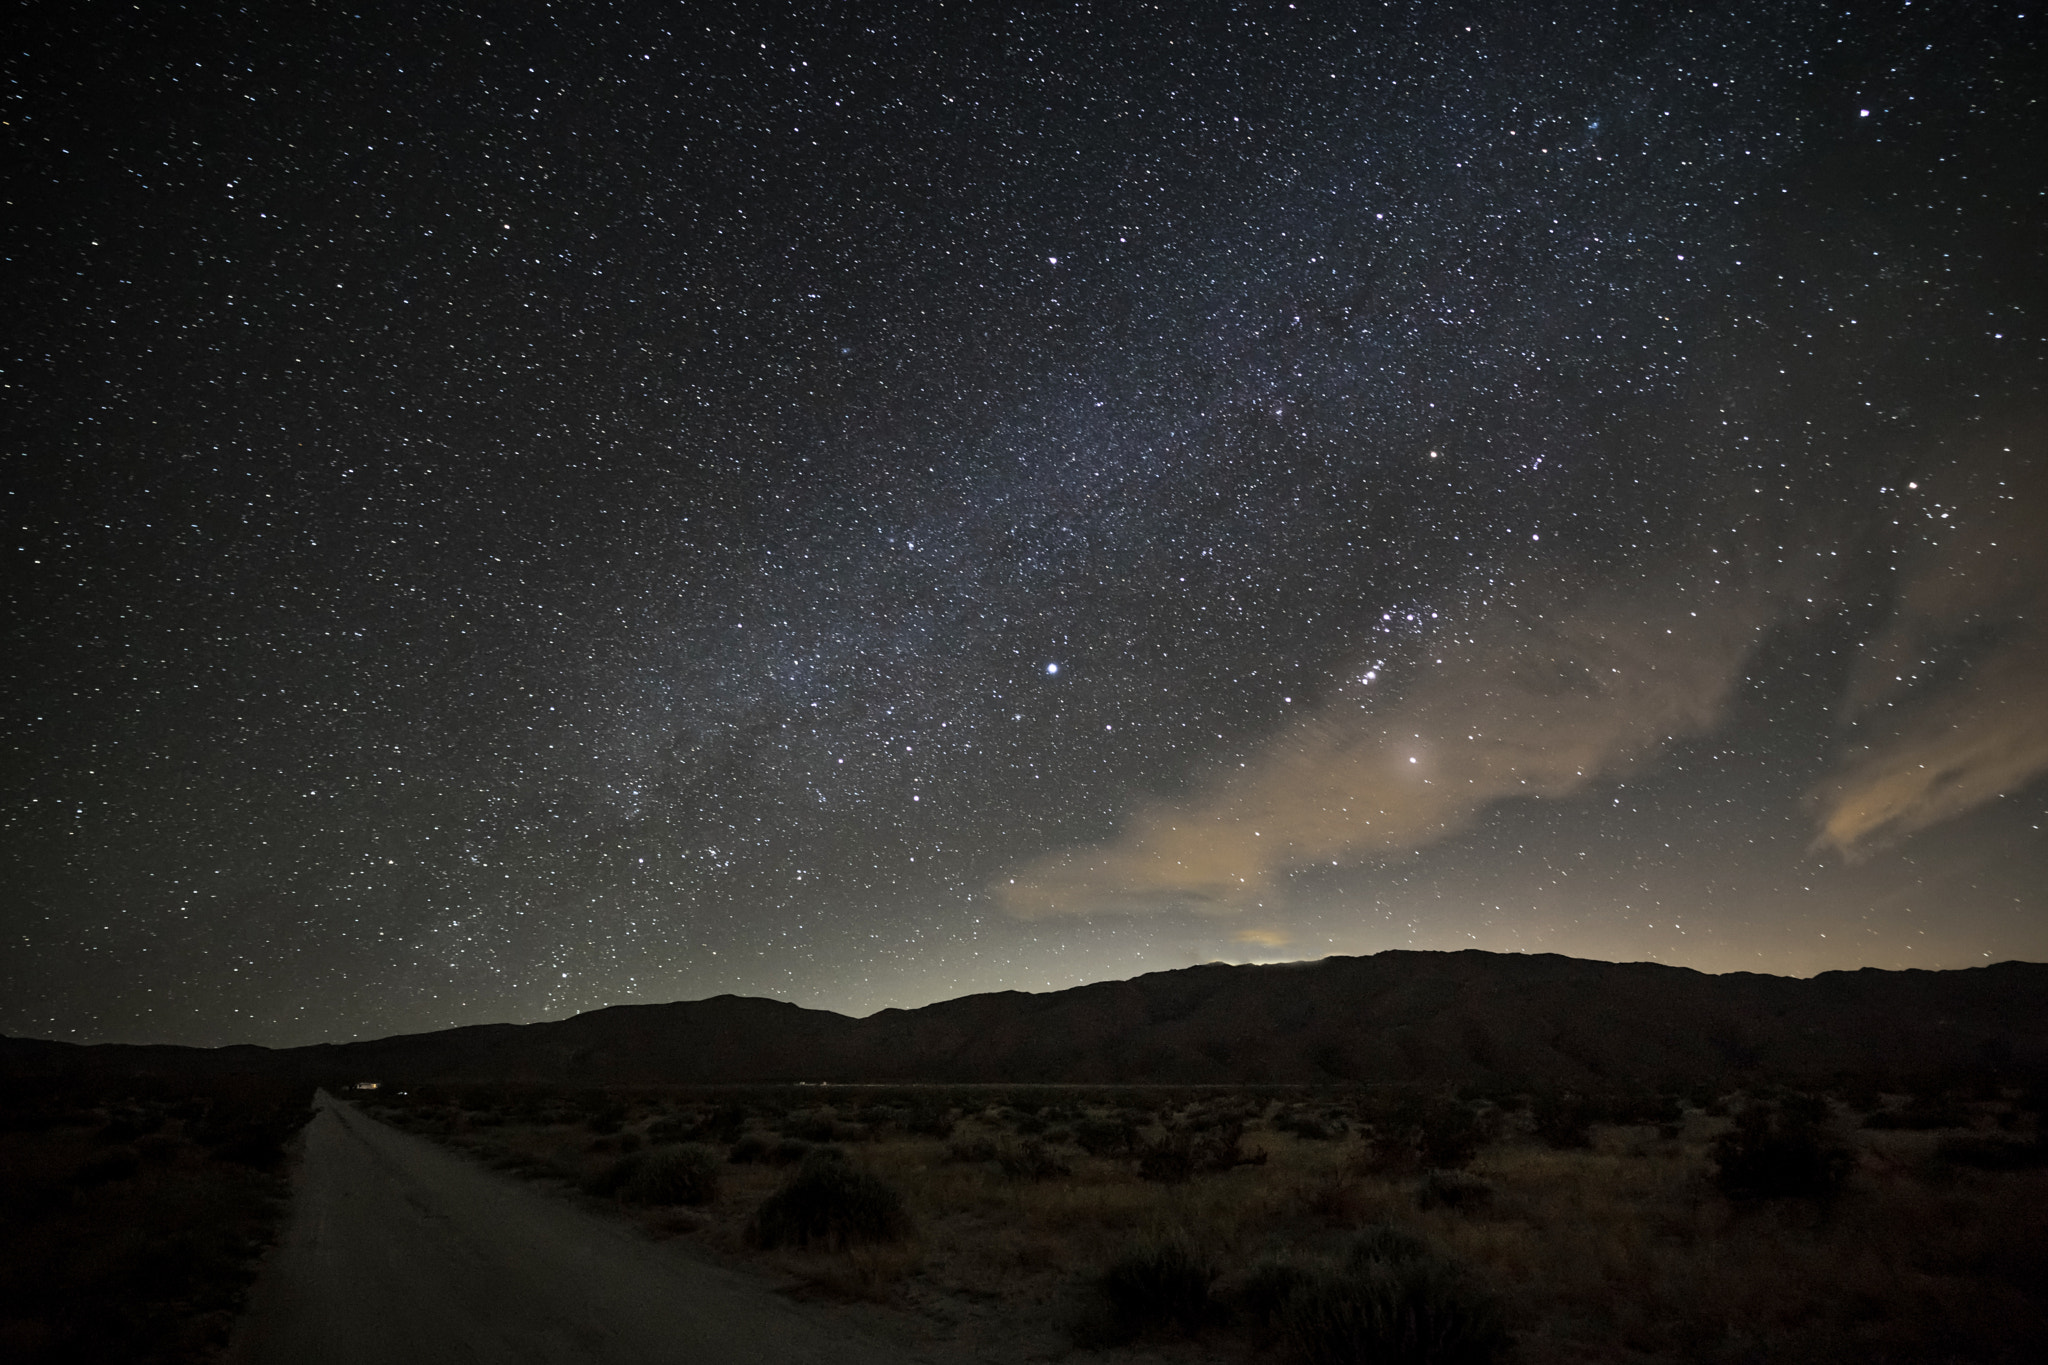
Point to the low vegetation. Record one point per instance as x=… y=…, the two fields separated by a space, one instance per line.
x=132 y=1216
x=1354 y=1225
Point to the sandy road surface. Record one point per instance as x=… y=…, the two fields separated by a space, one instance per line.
x=399 y=1251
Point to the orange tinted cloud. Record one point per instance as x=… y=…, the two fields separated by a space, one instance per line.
x=1540 y=702
x=1936 y=754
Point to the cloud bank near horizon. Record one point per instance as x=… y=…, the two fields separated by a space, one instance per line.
x=1538 y=698
x=1953 y=692
x=1946 y=709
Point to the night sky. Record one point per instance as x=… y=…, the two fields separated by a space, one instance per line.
x=523 y=510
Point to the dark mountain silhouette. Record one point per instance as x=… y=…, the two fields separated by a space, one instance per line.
x=1393 y=1017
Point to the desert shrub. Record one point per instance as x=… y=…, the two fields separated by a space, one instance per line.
x=1644 y=1107
x=1987 y=1153
x=1031 y=1159
x=1562 y=1119
x=606 y=1178
x=1179 y=1156
x=1162 y=1281
x=1261 y=1296
x=1313 y=1127
x=1772 y=1153
x=1385 y=1242
x=934 y=1123
x=673 y=1175
x=1448 y=1135
x=1419 y=1130
x=750 y=1149
x=1414 y=1310
x=723 y=1124
x=1028 y=1122
x=818 y=1125
x=1453 y=1190
x=1222 y=1148
x=673 y=1128
x=970 y=1151
x=790 y=1151
x=1921 y=1114
x=830 y=1201
x=105 y=1167
x=1169 y=1161
x=130 y=1124
x=1105 y=1136
x=607 y=1119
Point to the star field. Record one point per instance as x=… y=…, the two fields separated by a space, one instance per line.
x=524 y=510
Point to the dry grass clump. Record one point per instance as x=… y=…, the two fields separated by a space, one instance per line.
x=1391 y=1300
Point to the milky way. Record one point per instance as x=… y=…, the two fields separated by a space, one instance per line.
x=525 y=510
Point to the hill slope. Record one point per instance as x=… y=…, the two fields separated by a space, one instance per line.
x=1394 y=1016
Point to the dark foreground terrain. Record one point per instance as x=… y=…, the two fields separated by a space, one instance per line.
x=132 y=1215
x=1409 y=1157
x=1338 y=1225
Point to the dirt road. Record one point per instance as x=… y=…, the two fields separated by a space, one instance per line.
x=399 y=1251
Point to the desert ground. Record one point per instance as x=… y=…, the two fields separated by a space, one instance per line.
x=1041 y=1223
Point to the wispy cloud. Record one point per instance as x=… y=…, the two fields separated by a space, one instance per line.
x=1954 y=691
x=1539 y=698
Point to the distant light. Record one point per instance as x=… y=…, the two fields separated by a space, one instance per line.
x=1866 y=113
x=1052 y=668
x=1054 y=260
x=1411 y=760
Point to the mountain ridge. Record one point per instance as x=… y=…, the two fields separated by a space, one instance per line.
x=1401 y=1016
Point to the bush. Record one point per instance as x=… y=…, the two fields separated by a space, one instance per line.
x=101 y=1168
x=673 y=1175
x=1385 y=1242
x=1410 y=1310
x=607 y=1178
x=1161 y=1282
x=969 y=1151
x=750 y=1149
x=1450 y=1135
x=1031 y=1159
x=817 y=1125
x=1261 y=1297
x=937 y=1123
x=1105 y=1137
x=1921 y=1115
x=1312 y=1127
x=1170 y=1161
x=1563 y=1120
x=766 y=1149
x=1774 y=1154
x=1992 y=1153
x=1179 y=1157
x=830 y=1201
x=795 y=1151
x=1453 y=1190
x=672 y=1128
